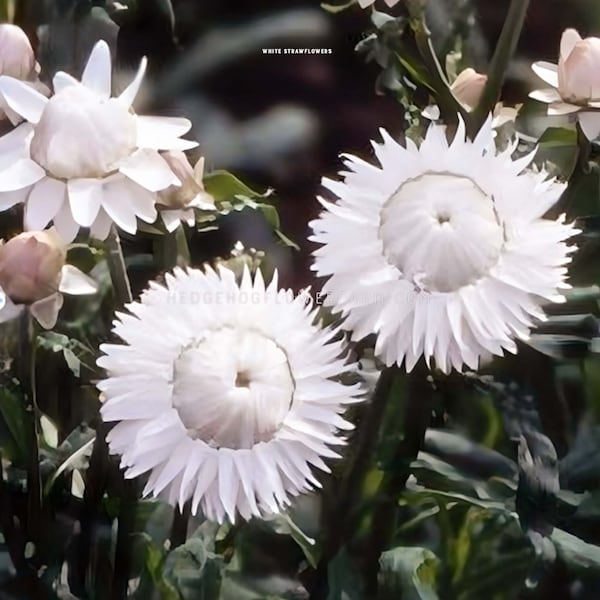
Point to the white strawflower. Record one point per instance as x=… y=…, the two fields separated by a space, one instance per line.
x=575 y=81
x=224 y=393
x=443 y=251
x=85 y=159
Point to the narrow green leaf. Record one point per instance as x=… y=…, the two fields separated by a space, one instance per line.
x=409 y=573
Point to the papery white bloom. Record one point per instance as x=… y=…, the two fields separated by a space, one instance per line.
x=33 y=274
x=85 y=159
x=224 y=393
x=575 y=81
x=177 y=203
x=365 y=3
x=443 y=251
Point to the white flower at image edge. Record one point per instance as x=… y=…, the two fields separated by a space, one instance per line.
x=224 y=393
x=82 y=158
x=443 y=251
x=366 y=3
x=575 y=81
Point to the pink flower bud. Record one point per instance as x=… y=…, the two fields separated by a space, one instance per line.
x=468 y=87
x=30 y=266
x=579 y=68
x=16 y=54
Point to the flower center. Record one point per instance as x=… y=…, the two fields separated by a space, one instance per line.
x=233 y=388
x=82 y=135
x=441 y=231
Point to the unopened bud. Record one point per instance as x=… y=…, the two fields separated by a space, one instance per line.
x=468 y=87
x=30 y=265
x=16 y=54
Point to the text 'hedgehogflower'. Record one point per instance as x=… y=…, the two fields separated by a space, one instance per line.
x=443 y=251
x=224 y=393
x=84 y=159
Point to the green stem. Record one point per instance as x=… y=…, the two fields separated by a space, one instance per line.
x=450 y=108
x=417 y=416
x=173 y=250
x=116 y=266
x=349 y=489
x=129 y=488
x=27 y=379
x=505 y=48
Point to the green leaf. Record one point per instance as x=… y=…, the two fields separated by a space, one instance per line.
x=283 y=524
x=577 y=554
x=14 y=418
x=194 y=571
x=343 y=580
x=73 y=453
x=409 y=573
x=74 y=352
x=556 y=137
x=223 y=186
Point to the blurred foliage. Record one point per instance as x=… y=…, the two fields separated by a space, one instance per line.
x=471 y=486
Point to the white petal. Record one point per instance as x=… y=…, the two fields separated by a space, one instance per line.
x=149 y=169
x=130 y=92
x=548 y=96
x=568 y=41
x=46 y=311
x=23 y=99
x=97 y=73
x=65 y=225
x=45 y=200
x=546 y=71
x=85 y=199
x=73 y=281
x=557 y=109
x=9 y=199
x=590 y=124
x=163 y=133
x=24 y=172
x=100 y=228
x=62 y=80
x=116 y=208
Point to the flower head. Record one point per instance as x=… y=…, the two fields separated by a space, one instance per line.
x=85 y=159
x=177 y=203
x=238 y=394
x=575 y=81
x=443 y=251
x=33 y=273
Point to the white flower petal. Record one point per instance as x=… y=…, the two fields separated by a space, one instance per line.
x=65 y=224
x=46 y=310
x=23 y=99
x=568 y=41
x=62 y=80
x=546 y=71
x=128 y=95
x=162 y=133
x=98 y=70
x=75 y=282
x=149 y=169
x=557 y=109
x=100 y=228
x=548 y=96
x=85 y=199
x=23 y=173
x=44 y=201
x=590 y=124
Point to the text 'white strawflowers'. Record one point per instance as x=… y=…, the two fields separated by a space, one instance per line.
x=224 y=393
x=443 y=251
x=84 y=159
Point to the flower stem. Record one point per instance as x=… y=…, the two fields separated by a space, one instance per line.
x=180 y=525
x=129 y=488
x=27 y=380
x=116 y=266
x=505 y=48
x=417 y=416
x=173 y=249
x=340 y=517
